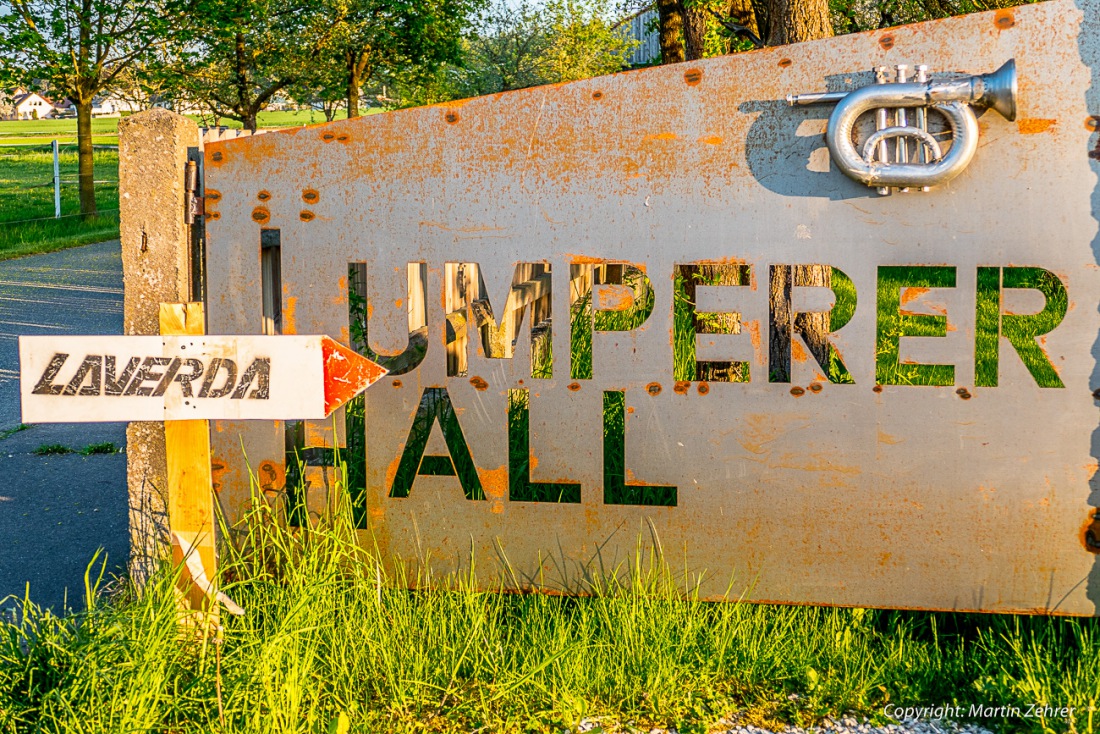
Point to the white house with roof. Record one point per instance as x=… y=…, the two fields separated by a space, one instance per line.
x=32 y=106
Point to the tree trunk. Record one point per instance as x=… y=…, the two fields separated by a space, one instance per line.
x=793 y=21
x=695 y=32
x=741 y=12
x=248 y=119
x=353 y=84
x=670 y=26
x=85 y=157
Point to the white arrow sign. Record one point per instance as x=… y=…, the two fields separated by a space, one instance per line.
x=91 y=379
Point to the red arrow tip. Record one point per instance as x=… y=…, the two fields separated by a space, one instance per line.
x=346 y=373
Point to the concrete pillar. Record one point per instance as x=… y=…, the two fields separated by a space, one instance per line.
x=156 y=267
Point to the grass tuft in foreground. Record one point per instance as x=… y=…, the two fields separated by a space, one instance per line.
x=331 y=638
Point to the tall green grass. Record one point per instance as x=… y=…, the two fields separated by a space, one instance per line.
x=332 y=637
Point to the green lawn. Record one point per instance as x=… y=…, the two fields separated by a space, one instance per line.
x=105 y=129
x=27 y=225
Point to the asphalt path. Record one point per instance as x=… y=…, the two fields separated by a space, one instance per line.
x=57 y=511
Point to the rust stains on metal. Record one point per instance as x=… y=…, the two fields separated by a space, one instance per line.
x=396 y=383
x=306 y=215
x=1030 y=126
x=213 y=215
x=784 y=63
x=451 y=117
x=597 y=95
x=681 y=387
x=815 y=387
x=328 y=137
x=264 y=195
x=478 y=383
x=1092 y=123
x=574 y=386
x=271 y=476
x=310 y=196
x=1004 y=19
x=711 y=139
x=261 y=215
x=341 y=138
x=877 y=388
x=662 y=136
x=213 y=195
x=217 y=470
x=797 y=391
x=887 y=42
x=217 y=157
x=693 y=76
x=963 y=393
x=703 y=388
x=653 y=388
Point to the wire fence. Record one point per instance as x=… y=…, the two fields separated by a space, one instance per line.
x=32 y=169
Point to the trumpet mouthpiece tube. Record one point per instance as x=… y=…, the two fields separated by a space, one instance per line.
x=809 y=98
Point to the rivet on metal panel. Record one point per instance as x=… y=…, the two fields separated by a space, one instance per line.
x=306 y=215
x=597 y=95
x=963 y=393
x=341 y=138
x=310 y=196
x=1092 y=122
x=263 y=195
x=213 y=215
x=261 y=215
x=876 y=388
x=797 y=392
x=574 y=386
x=396 y=383
x=887 y=42
x=478 y=383
x=217 y=156
x=703 y=388
x=328 y=137
x=681 y=387
x=815 y=387
x=1004 y=19
x=451 y=117
x=213 y=195
x=693 y=76
x=784 y=63
x=653 y=388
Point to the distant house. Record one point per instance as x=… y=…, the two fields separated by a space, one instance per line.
x=64 y=108
x=32 y=106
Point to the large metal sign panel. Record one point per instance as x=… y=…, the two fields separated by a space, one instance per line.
x=646 y=309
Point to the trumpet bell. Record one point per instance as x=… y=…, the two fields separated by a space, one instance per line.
x=999 y=90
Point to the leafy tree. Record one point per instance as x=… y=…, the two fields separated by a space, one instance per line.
x=239 y=54
x=78 y=48
x=518 y=45
x=375 y=40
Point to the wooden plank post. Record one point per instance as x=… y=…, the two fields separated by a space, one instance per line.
x=190 y=490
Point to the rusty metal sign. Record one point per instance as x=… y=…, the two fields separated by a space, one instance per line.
x=648 y=308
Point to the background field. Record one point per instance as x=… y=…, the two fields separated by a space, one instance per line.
x=27 y=225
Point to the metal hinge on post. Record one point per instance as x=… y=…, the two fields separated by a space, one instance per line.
x=191 y=188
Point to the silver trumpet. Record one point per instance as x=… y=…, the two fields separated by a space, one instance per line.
x=953 y=98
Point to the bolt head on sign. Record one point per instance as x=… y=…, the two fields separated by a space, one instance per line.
x=88 y=379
